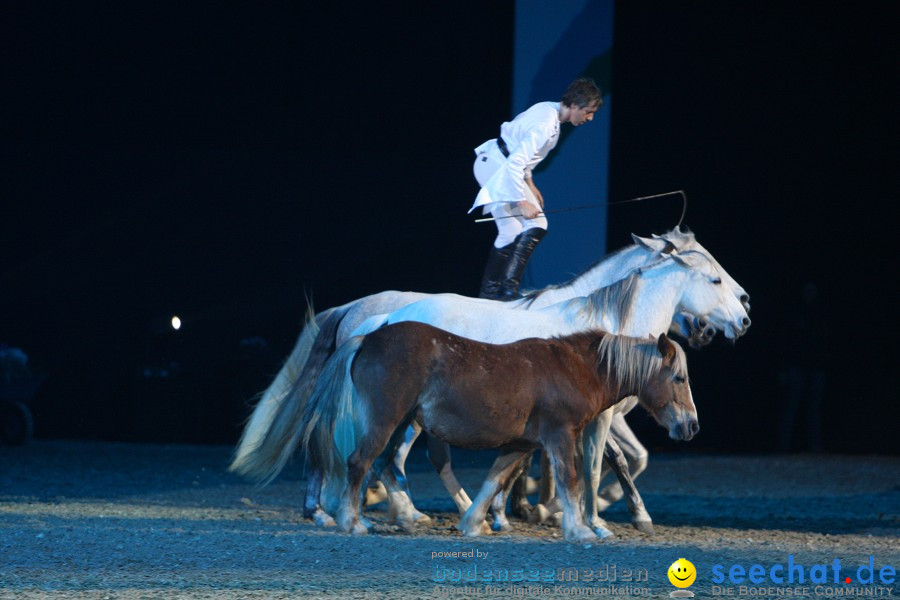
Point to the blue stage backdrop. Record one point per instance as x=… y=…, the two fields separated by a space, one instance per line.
x=555 y=42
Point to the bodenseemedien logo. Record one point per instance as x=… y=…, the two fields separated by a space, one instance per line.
x=682 y=574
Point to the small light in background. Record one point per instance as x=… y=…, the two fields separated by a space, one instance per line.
x=176 y=323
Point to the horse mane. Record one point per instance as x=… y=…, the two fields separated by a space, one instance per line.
x=529 y=297
x=617 y=297
x=677 y=236
x=630 y=360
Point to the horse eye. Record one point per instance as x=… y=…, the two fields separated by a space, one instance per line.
x=680 y=378
x=717 y=281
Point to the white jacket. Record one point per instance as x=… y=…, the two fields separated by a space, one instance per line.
x=529 y=137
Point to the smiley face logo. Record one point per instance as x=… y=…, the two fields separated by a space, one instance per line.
x=682 y=573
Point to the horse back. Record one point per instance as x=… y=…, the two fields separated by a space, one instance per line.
x=473 y=394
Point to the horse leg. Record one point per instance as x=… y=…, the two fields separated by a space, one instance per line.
x=593 y=442
x=640 y=518
x=501 y=471
x=498 y=502
x=518 y=494
x=547 y=481
x=551 y=511
x=561 y=455
x=400 y=507
x=548 y=509
x=398 y=467
x=636 y=454
x=439 y=455
x=370 y=446
x=311 y=507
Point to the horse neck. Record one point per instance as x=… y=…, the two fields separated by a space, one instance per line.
x=605 y=272
x=655 y=301
x=639 y=305
x=578 y=314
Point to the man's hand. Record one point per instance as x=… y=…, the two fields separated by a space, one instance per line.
x=529 y=210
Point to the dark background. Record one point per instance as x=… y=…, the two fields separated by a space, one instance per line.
x=225 y=161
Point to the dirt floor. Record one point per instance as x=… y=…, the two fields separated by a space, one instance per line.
x=100 y=520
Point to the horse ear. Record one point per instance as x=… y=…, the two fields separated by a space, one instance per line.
x=666 y=348
x=653 y=244
x=676 y=237
x=689 y=260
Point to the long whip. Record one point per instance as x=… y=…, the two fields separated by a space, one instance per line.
x=641 y=199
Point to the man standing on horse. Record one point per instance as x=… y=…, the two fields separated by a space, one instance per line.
x=503 y=168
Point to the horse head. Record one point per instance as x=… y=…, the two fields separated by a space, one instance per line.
x=666 y=394
x=683 y=241
x=695 y=328
x=707 y=295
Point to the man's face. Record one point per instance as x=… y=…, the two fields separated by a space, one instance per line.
x=579 y=115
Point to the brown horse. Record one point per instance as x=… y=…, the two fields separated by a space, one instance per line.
x=518 y=396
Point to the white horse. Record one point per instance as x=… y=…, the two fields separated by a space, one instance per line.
x=642 y=303
x=311 y=351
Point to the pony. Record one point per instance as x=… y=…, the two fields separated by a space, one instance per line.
x=476 y=395
x=644 y=301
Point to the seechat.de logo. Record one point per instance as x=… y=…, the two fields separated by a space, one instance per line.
x=792 y=573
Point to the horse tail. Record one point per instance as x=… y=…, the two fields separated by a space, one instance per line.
x=330 y=427
x=295 y=379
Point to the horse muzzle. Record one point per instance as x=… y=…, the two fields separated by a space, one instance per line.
x=737 y=328
x=685 y=430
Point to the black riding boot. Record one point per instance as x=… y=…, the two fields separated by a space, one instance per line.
x=523 y=246
x=492 y=279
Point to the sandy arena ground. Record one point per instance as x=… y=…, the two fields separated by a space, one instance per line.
x=101 y=520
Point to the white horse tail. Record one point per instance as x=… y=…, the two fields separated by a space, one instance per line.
x=330 y=426
x=296 y=378
x=296 y=416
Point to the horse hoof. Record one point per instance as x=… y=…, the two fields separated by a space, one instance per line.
x=523 y=511
x=555 y=520
x=539 y=514
x=323 y=519
x=474 y=530
x=580 y=535
x=352 y=526
x=359 y=529
x=498 y=525
x=643 y=526
x=602 y=532
x=407 y=524
x=421 y=518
